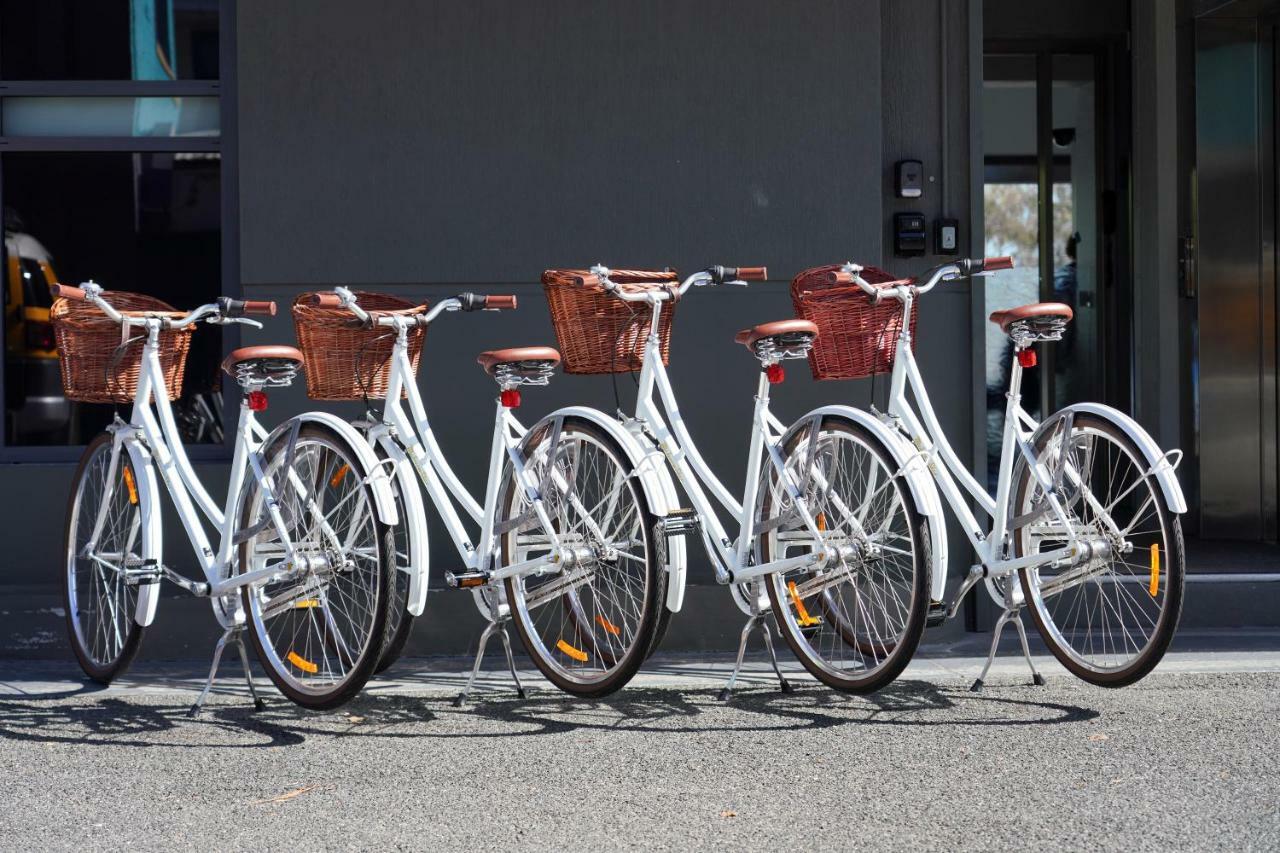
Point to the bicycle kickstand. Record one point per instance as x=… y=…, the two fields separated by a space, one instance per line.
x=231 y=636
x=489 y=630
x=752 y=621
x=1014 y=616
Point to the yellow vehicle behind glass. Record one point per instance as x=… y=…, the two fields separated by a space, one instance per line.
x=37 y=412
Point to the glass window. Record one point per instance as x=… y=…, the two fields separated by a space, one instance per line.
x=66 y=116
x=141 y=222
x=1011 y=213
x=109 y=40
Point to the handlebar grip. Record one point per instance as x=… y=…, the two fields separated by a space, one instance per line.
x=234 y=308
x=587 y=280
x=839 y=277
x=499 y=303
x=1002 y=262
x=261 y=307
x=67 y=292
x=325 y=300
x=753 y=274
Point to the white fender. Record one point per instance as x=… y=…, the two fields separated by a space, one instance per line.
x=914 y=467
x=655 y=482
x=378 y=477
x=1157 y=460
x=151 y=528
x=415 y=510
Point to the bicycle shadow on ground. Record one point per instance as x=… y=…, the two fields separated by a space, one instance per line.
x=905 y=703
x=118 y=721
x=232 y=722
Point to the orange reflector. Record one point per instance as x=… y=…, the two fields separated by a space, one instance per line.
x=130 y=484
x=577 y=654
x=302 y=663
x=803 y=612
x=1155 y=570
x=822 y=521
x=306 y=603
x=338 y=475
x=467 y=583
x=608 y=626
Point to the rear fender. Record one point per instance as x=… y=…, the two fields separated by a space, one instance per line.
x=655 y=482
x=378 y=476
x=913 y=467
x=1158 y=462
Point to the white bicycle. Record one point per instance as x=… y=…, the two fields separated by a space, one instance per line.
x=1085 y=513
x=565 y=535
x=859 y=565
x=305 y=548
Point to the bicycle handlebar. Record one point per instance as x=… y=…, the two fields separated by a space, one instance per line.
x=599 y=276
x=748 y=273
x=233 y=308
x=224 y=310
x=964 y=268
x=483 y=302
x=974 y=266
x=325 y=300
x=66 y=291
x=341 y=297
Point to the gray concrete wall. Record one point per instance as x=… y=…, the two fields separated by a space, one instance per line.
x=428 y=148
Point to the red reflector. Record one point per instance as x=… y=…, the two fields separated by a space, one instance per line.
x=775 y=373
x=511 y=398
x=1027 y=357
x=257 y=401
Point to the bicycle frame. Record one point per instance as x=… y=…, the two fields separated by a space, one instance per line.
x=151 y=438
x=926 y=433
x=407 y=438
x=730 y=560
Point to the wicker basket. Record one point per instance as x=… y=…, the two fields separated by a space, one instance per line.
x=98 y=366
x=598 y=332
x=855 y=338
x=343 y=360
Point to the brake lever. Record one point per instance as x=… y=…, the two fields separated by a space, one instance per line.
x=226 y=321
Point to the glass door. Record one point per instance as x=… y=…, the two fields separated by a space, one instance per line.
x=1042 y=204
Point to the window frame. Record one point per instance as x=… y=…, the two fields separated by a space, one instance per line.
x=226 y=145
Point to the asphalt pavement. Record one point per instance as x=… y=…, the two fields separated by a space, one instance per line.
x=1184 y=760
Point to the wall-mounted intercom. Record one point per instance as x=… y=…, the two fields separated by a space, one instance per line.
x=946 y=236
x=908 y=178
x=909 y=234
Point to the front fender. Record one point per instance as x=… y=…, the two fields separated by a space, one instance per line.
x=377 y=475
x=415 y=519
x=914 y=468
x=1157 y=460
x=151 y=528
x=655 y=482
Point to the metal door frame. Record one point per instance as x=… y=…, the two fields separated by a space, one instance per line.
x=1113 y=302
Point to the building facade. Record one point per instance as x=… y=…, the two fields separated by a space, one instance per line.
x=1124 y=152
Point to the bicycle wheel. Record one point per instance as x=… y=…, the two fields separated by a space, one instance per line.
x=399 y=619
x=1110 y=620
x=318 y=628
x=99 y=604
x=589 y=627
x=856 y=623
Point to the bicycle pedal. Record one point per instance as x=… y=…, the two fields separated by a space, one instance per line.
x=678 y=522
x=937 y=614
x=466 y=580
x=141 y=571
